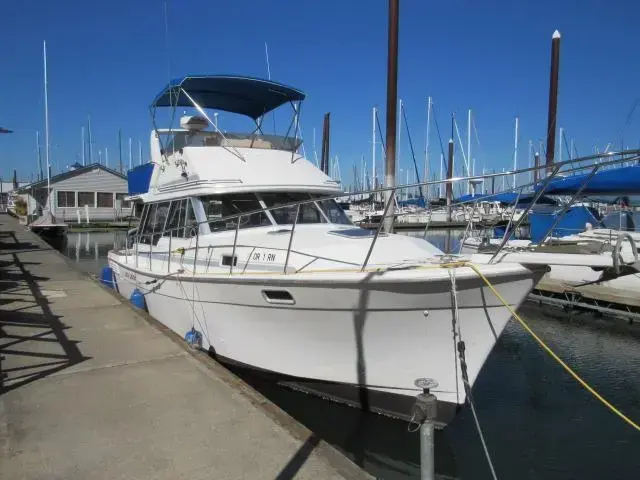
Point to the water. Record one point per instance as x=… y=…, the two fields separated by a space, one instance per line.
x=538 y=422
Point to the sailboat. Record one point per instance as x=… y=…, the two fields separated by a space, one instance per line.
x=47 y=224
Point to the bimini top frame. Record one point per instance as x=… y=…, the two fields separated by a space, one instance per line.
x=253 y=97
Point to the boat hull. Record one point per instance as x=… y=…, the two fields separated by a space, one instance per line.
x=371 y=331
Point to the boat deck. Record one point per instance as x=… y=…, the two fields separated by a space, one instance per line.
x=91 y=388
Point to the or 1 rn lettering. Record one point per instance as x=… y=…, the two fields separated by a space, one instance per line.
x=263 y=257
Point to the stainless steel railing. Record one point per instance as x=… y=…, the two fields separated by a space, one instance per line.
x=574 y=165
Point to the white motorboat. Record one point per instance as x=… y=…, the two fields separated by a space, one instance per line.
x=242 y=246
x=602 y=288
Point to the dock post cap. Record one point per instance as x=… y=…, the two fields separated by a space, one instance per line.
x=556 y=34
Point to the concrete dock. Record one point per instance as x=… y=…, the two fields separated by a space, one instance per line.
x=90 y=388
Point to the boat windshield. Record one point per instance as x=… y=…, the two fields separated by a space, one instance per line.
x=309 y=212
x=217 y=207
x=334 y=212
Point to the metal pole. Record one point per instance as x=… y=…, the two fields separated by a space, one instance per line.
x=536 y=172
x=553 y=99
x=426 y=412
x=380 y=226
x=293 y=228
x=324 y=161
x=235 y=243
x=449 y=186
x=392 y=103
x=130 y=155
x=139 y=152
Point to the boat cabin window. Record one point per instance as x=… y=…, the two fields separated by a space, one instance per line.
x=151 y=220
x=334 y=212
x=175 y=218
x=309 y=212
x=217 y=207
x=177 y=224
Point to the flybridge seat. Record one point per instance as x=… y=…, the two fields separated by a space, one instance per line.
x=182 y=139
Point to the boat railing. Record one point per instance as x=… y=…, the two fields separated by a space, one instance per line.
x=599 y=162
x=166 y=253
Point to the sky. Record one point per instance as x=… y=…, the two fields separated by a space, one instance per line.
x=109 y=58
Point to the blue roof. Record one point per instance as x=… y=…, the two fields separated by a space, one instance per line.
x=244 y=95
x=615 y=181
x=419 y=201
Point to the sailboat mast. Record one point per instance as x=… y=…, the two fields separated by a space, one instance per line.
x=315 y=151
x=529 y=164
x=515 y=153
x=560 y=145
x=426 y=148
x=120 y=148
x=130 y=155
x=41 y=175
x=399 y=162
x=139 y=152
x=82 y=144
x=469 y=166
x=90 y=140
x=373 y=148
x=441 y=177
x=46 y=121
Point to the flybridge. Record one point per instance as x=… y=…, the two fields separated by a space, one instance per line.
x=247 y=96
